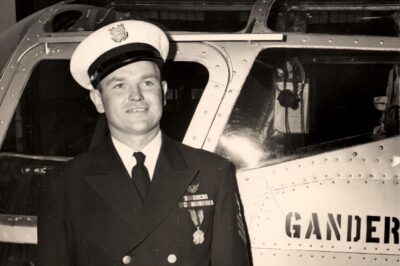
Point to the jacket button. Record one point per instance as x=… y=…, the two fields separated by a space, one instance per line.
x=126 y=259
x=171 y=258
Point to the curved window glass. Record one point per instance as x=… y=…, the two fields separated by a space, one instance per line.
x=194 y=16
x=299 y=102
x=377 y=18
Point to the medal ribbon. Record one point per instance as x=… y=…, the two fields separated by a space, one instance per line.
x=197 y=217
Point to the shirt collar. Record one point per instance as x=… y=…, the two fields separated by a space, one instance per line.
x=151 y=150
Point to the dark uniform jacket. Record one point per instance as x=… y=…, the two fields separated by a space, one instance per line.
x=92 y=214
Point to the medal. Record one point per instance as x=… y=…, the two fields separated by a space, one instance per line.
x=197 y=219
x=198 y=236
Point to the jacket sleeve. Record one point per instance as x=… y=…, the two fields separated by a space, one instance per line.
x=229 y=245
x=54 y=231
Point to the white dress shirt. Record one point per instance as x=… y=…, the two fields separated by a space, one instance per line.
x=151 y=150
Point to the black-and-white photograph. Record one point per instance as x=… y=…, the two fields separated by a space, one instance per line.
x=200 y=133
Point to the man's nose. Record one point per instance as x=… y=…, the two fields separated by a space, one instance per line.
x=135 y=94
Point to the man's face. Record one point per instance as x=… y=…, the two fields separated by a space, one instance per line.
x=132 y=99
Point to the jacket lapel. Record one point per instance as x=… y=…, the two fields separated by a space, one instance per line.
x=171 y=178
x=111 y=181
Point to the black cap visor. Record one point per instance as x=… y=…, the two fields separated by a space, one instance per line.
x=121 y=56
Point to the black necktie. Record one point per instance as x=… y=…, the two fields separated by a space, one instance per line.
x=140 y=175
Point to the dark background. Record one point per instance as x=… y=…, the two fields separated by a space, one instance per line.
x=25 y=8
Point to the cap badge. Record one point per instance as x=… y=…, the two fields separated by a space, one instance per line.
x=118 y=33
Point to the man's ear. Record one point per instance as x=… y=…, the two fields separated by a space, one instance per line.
x=164 y=87
x=95 y=96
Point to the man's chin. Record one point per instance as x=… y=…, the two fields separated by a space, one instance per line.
x=143 y=130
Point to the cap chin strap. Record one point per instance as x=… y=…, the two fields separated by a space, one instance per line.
x=119 y=57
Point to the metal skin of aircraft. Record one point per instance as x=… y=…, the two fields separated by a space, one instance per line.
x=308 y=114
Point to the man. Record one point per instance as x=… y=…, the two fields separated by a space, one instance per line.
x=138 y=197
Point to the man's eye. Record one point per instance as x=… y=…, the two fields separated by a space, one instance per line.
x=148 y=83
x=118 y=86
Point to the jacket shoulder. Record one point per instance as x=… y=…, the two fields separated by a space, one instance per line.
x=199 y=156
x=81 y=164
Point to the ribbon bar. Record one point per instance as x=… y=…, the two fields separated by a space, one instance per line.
x=199 y=203
x=195 y=197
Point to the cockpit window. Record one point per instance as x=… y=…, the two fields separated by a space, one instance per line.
x=300 y=102
x=375 y=18
x=54 y=121
x=55 y=116
x=194 y=16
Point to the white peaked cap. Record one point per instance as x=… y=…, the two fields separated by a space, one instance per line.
x=114 y=46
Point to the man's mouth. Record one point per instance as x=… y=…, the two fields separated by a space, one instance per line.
x=136 y=110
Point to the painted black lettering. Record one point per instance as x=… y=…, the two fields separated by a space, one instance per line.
x=358 y=228
x=349 y=227
x=332 y=224
x=371 y=229
x=394 y=230
x=294 y=230
x=313 y=227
